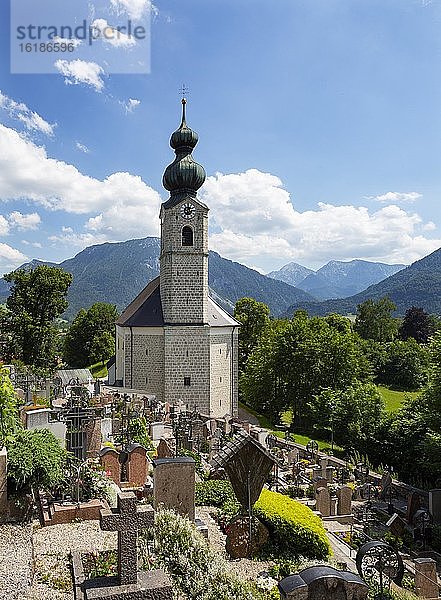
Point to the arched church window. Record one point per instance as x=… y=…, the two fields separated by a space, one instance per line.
x=187 y=236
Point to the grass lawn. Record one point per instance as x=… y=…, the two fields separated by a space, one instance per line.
x=98 y=370
x=394 y=398
x=298 y=437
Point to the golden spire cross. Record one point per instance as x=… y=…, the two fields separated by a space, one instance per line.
x=184 y=91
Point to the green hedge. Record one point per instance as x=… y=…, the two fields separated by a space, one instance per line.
x=214 y=493
x=294 y=528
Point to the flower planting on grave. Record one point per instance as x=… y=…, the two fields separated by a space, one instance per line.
x=196 y=570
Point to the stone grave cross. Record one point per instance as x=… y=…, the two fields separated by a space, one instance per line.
x=127 y=521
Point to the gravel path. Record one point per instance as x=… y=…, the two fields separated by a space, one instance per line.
x=15 y=561
x=52 y=546
x=45 y=552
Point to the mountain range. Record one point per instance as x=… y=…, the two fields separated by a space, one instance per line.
x=416 y=285
x=336 y=279
x=117 y=272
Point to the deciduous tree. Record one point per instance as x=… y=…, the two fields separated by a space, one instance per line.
x=91 y=336
x=254 y=318
x=37 y=298
x=374 y=320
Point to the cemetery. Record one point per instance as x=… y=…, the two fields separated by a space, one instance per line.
x=147 y=500
x=148 y=484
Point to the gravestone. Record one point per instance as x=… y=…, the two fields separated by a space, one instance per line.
x=137 y=465
x=157 y=431
x=317 y=474
x=94 y=438
x=293 y=456
x=386 y=482
x=130 y=584
x=323 y=501
x=163 y=450
x=106 y=429
x=39 y=419
x=426 y=583
x=174 y=485
x=127 y=521
x=109 y=459
x=344 y=495
x=315 y=583
x=435 y=505
x=3 y=482
x=239 y=544
x=323 y=462
x=396 y=525
x=319 y=483
x=329 y=474
x=247 y=465
x=413 y=505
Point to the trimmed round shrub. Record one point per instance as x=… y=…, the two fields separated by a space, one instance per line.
x=293 y=527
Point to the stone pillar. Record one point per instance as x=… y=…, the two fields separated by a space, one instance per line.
x=174 y=485
x=426 y=585
x=137 y=465
x=3 y=483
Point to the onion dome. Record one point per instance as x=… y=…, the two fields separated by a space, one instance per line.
x=184 y=175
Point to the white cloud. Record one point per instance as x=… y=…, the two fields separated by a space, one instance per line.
x=70 y=41
x=135 y=9
x=20 y=112
x=10 y=258
x=34 y=244
x=78 y=72
x=397 y=197
x=110 y=35
x=4 y=226
x=253 y=219
x=131 y=104
x=82 y=147
x=24 y=222
x=122 y=205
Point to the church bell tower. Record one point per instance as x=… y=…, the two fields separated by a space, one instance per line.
x=184 y=235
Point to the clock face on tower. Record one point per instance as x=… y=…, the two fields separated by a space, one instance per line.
x=188 y=211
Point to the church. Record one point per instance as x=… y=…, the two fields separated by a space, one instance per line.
x=173 y=340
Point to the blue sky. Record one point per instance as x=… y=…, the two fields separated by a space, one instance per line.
x=319 y=125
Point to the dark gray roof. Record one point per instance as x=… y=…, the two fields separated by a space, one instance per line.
x=146 y=310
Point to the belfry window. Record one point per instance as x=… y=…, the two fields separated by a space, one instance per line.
x=187 y=236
